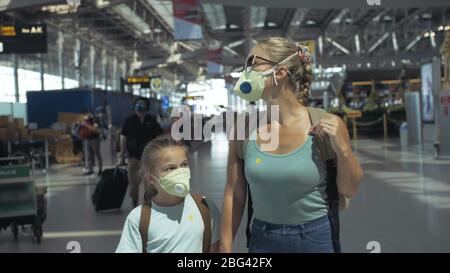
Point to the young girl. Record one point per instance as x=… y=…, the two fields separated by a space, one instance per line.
x=172 y=220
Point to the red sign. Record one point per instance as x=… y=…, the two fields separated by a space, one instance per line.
x=215 y=55
x=188 y=10
x=445 y=101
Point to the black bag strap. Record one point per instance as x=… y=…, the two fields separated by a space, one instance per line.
x=248 y=231
x=329 y=158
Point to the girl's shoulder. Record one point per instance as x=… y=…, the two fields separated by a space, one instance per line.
x=212 y=206
x=135 y=215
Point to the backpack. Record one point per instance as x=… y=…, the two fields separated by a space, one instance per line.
x=335 y=200
x=202 y=206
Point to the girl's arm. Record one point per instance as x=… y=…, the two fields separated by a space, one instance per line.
x=130 y=240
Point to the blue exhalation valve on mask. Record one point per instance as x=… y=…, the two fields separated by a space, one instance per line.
x=179 y=189
x=246 y=87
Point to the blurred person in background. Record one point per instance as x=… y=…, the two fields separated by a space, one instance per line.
x=138 y=130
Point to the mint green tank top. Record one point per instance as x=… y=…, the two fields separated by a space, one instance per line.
x=289 y=188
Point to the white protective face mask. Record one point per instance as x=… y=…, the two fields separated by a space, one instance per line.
x=251 y=84
x=176 y=182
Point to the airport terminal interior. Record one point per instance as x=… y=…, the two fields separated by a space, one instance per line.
x=73 y=73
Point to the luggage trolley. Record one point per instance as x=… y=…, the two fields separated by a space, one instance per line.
x=21 y=202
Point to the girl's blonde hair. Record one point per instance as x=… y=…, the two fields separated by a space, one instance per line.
x=278 y=49
x=151 y=157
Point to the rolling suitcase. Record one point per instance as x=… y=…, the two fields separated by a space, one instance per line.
x=111 y=189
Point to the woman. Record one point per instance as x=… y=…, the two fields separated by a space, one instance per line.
x=287 y=184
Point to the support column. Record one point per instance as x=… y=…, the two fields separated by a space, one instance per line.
x=114 y=79
x=92 y=66
x=104 y=62
x=77 y=61
x=246 y=13
x=41 y=70
x=60 y=43
x=16 y=76
x=124 y=74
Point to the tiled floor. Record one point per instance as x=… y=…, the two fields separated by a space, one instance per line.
x=403 y=204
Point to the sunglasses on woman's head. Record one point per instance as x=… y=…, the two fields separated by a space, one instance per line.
x=250 y=63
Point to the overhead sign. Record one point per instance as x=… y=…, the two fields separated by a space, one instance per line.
x=354 y=114
x=156 y=84
x=23 y=39
x=193 y=98
x=143 y=81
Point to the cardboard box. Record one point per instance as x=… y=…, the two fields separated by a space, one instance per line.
x=46 y=133
x=59 y=126
x=6 y=121
x=19 y=123
x=24 y=134
x=69 y=118
x=6 y=134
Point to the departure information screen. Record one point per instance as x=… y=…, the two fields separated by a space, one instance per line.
x=23 y=39
x=144 y=81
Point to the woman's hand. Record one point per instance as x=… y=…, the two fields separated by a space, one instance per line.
x=349 y=171
x=335 y=128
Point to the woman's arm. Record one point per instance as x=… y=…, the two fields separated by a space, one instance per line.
x=234 y=200
x=349 y=171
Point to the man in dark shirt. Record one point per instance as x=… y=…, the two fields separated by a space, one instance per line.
x=139 y=129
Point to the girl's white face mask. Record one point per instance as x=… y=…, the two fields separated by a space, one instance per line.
x=176 y=182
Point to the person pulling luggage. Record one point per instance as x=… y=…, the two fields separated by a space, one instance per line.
x=138 y=130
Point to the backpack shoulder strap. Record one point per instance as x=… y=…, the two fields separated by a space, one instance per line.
x=206 y=216
x=146 y=213
x=241 y=145
x=325 y=149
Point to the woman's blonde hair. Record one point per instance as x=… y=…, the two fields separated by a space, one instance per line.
x=151 y=157
x=278 y=49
